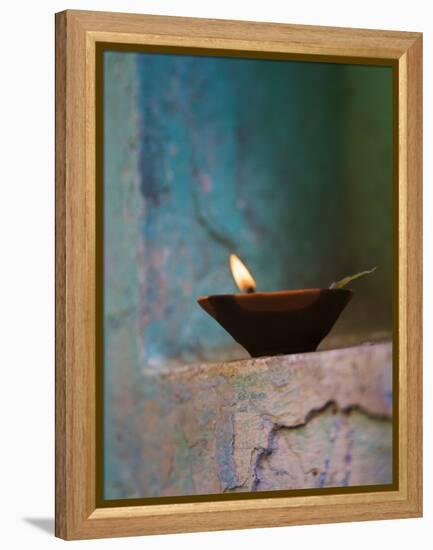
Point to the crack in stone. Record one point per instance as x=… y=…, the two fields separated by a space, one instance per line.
x=265 y=452
x=333 y=405
x=241 y=485
x=227 y=471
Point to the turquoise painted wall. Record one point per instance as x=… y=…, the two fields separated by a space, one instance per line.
x=287 y=164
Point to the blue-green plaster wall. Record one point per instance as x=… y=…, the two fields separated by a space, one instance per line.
x=287 y=164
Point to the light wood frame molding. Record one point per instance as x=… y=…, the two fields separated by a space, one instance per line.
x=77 y=33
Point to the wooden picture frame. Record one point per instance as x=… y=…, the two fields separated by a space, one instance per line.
x=78 y=33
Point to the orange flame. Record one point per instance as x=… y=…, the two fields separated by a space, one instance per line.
x=241 y=275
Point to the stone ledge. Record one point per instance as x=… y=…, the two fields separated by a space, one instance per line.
x=288 y=422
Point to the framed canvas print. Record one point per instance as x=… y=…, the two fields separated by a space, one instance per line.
x=238 y=274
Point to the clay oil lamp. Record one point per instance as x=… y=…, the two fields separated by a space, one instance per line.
x=274 y=323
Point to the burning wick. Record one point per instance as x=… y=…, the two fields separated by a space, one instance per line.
x=241 y=275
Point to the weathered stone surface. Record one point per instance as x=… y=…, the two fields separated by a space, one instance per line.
x=309 y=420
